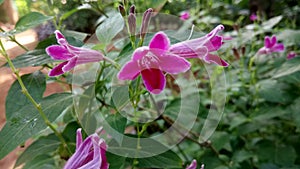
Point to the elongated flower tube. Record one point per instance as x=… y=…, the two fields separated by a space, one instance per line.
x=71 y=55
x=271 y=46
x=89 y=154
x=145 y=22
x=201 y=47
x=151 y=61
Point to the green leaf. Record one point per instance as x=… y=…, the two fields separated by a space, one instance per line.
x=155 y=4
x=26 y=122
x=117 y=124
x=30 y=20
x=289 y=35
x=285 y=155
x=15 y=100
x=1 y=1
x=36 y=57
x=44 y=145
x=168 y=159
x=282 y=94
x=107 y=30
x=220 y=140
x=288 y=68
x=115 y=161
x=41 y=162
x=271 y=22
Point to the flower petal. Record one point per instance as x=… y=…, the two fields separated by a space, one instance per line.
x=183 y=50
x=214 y=43
x=58 y=52
x=273 y=40
x=129 y=71
x=160 y=43
x=140 y=52
x=215 y=31
x=154 y=80
x=193 y=165
x=70 y=64
x=279 y=47
x=88 y=55
x=215 y=59
x=173 y=64
x=268 y=43
x=59 y=35
x=58 y=69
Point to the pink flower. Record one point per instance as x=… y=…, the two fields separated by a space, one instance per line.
x=253 y=17
x=291 y=55
x=150 y=61
x=271 y=46
x=71 y=54
x=193 y=165
x=185 y=15
x=89 y=154
x=201 y=47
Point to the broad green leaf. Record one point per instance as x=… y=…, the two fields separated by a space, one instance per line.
x=288 y=68
x=269 y=113
x=271 y=22
x=44 y=145
x=282 y=94
x=70 y=36
x=289 y=35
x=220 y=140
x=26 y=122
x=107 y=30
x=168 y=159
x=30 y=20
x=115 y=161
x=41 y=162
x=36 y=57
x=16 y=100
x=285 y=155
x=117 y=124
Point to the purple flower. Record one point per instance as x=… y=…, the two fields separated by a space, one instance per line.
x=89 y=154
x=193 y=165
x=185 y=15
x=271 y=46
x=150 y=61
x=70 y=54
x=253 y=17
x=201 y=47
x=291 y=55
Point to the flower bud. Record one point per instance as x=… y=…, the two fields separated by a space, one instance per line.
x=122 y=10
x=145 y=22
x=132 y=23
x=236 y=53
x=132 y=9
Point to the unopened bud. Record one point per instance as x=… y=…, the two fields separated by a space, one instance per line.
x=243 y=50
x=236 y=53
x=132 y=23
x=122 y=10
x=145 y=22
x=132 y=9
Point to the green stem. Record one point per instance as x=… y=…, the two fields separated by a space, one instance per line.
x=31 y=99
x=13 y=39
x=115 y=64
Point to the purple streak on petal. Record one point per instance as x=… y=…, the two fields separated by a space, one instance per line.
x=140 y=52
x=173 y=64
x=103 y=147
x=129 y=71
x=70 y=64
x=214 y=44
x=59 y=35
x=184 y=50
x=215 y=59
x=63 y=42
x=154 y=80
x=95 y=160
x=161 y=42
x=279 y=47
x=88 y=55
x=78 y=138
x=268 y=43
x=57 y=70
x=193 y=165
x=57 y=52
